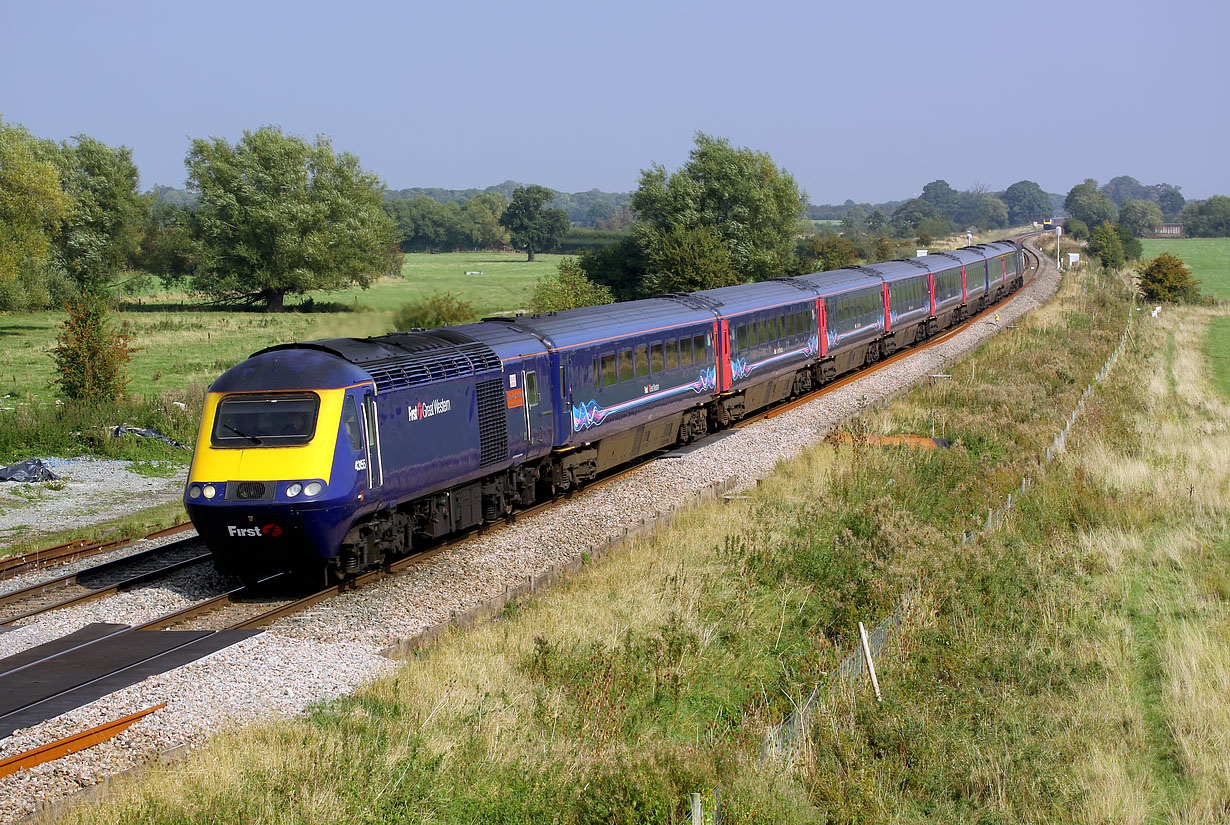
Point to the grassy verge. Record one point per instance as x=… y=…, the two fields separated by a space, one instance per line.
x=1061 y=669
x=1217 y=348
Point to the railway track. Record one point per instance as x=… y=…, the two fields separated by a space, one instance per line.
x=73 y=550
x=101 y=580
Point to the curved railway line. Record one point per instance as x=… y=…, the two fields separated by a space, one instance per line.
x=259 y=605
x=247 y=608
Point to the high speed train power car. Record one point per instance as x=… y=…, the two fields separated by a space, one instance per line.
x=330 y=457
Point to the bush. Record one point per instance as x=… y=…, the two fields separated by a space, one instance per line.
x=90 y=355
x=568 y=288
x=1076 y=229
x=442 y=310
x=1167 y=279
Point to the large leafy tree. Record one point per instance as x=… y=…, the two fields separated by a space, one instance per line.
x=1140 y=217
x=1089 y=204
x=737 y=195
x=943 y=197
x=32 y=206
x=1026 y=202
x=102 y=230
x=530 y=226
x=282 y=216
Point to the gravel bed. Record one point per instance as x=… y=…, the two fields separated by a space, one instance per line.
x=95 y=489
x=334 y=647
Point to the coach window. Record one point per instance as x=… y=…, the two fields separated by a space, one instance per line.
x=608 y=370
x=685 y=351
x=531 y=388
x=741 y=336
x=699 y=342
x=626 y=372
x=657 y=358
x=672 y=354
x=597 y=374
x=790 y=324
x=642 y=362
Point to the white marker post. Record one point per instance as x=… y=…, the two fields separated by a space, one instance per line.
x=1058 y=232
x=871 y=666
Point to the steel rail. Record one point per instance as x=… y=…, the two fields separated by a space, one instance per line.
x=72 y=744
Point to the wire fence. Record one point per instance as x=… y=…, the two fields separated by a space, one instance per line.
x=785 y=740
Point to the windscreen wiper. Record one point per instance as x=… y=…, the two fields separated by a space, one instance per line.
x=251 y=438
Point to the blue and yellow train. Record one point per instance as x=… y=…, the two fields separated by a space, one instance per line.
x=333 y=456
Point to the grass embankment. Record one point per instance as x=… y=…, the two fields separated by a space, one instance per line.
x=1208 y=258
x=1217 y=347
x=1070 y=667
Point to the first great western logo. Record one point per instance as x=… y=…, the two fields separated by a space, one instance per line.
x=426 y=409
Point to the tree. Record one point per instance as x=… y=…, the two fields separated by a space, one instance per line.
x=167 y=245
x=1105 y=244
x=530 y=227
x=1140 y=217
x=831 y=253
x=1167 y=278
x=1170 y=199
x=943 y=197
x=683 y=259
x=1089 y=204
x=1125 y=188
x=1132 y=247
x=102 y=230
x=620 y=267
x=917 y=215
x=877 y=220
x=281 y=216
x=1075 y=229
x=91 y=356
x=737 y=195
x=32 y=206
x=1026 y=202
x=568 y=288
x=1208 y=218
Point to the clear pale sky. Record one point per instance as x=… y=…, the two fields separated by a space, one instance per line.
x=863 y=100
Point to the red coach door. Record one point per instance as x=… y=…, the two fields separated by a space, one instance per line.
x=721 y=346
x=824 y=327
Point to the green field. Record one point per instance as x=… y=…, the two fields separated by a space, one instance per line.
x=178 y=348
x=1217 y=348
x=1208 y=258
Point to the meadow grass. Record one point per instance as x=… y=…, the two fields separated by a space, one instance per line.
x=1065 y=668
x=1208 y=258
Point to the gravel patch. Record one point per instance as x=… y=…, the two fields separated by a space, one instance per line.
x=334 y=647
x=92 y=490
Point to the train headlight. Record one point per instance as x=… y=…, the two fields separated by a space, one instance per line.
x=294 y=490
x=194 y=491
x=209 y=490
x=313 y=488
